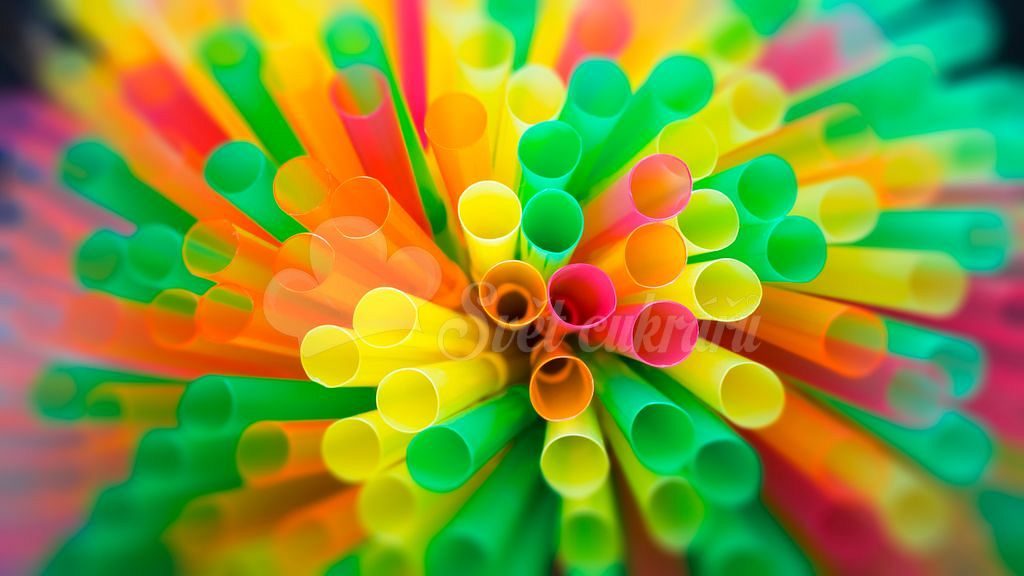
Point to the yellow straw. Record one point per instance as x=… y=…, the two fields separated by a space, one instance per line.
x=574 y=461
x=490 y=214
x=846 y=209
x=709 y=223
x=387 y=318
x=744 y=109
x=533 y=94
x=723 y=290
x=484 y=59
x=356 y=448
x=332 y=356
x=591 y=533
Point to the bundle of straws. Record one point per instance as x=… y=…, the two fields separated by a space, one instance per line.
x=514 y=286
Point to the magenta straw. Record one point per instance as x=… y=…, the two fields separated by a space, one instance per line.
x=580 y=296
x=656 y=333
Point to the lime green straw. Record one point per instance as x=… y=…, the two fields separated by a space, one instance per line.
x=99 y=174
x=549 y=153
x=443 y=457
x=533 y=551
x=61 y=390
x=763 y=189
x=154 y=258
x=963 y=360
x=788 y=250
x=519 y=17
x=745 y=541
x=1002 y=511
x=960 y=34
x=240 y=172
x=552 y=226
x=233 y=57
x=197 y=461
x=768 y=16
x=347 y=566
x=101 y=264
x=978 y=240
x=474 y=539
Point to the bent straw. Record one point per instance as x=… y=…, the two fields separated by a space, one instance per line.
x=979 y=241
x=533 y=94
x=656 y=333
x=456 y=125
x=845 y=339
x=962 y=359
x=413 y=399
x=234 y=60
x=444 y=456
x=490 y=215
x=561 y=385
x=219 y=251
x=218 y=402
x=744 y=109
x=846 y=209
x=788 y=250
x=101 y=264
x=549 y=153
x=746 y=393
x=483 y=59
x=145 y=406
x=362 y=98
x=671 y=509
x=513 y=294
x=762 y=190
x=485 y=526
x=153 y=257
x=580 y=296
x=709 y=223
x=597 y=95
x=590 y=535
x=657 y=188
x=598 y=29
x=574 y=461
x=651 y=256
x=272 y=451
x=928 y=283
x=677 y=88
x=356 y=448
x=230 y=315
x=552 y=226
x=659 y=433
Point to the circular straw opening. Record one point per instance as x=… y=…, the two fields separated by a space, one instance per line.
x=767 y=188
x=513 y=293
x=581 y=295
x=710 y=221
x=351 y=449
x=408 y=400
x=160 y=455
x=655 y=255
x=662 y=437
x=575 y=466
x=439 y=459
x=385 y=317
x=152 y=252
x=937 y=283
x=302 y=185
x=988 y=241
x=660 y=186
x=489 y=210
x=758 y=102
x=561 y=388
x=171 y=318
x=210 y=246
x=599 y=88
x=796 y=249
x=90 y=161
x=550 y=149
x=359 y=90
x=513 y=304
x=330 y=355
x=587 y=539
x=470 y=127
x=727 y=290
x=751 y=395
x=664 y=334
x=235 y=167
x=681 y=83
x=350 y=35
x=386 y=504
x=227 y=48
x=100 y=257
x=209 y=403
x=855 y=342
x=603 y=28
x=675 y=511
x=693 y=143
x=727 y=471
x=262 y=450
x=489 y=46
x=224 y=312
x=359 y=206
x=534 y=94
x=917 y=514
x=553 y=237
x=848 y=210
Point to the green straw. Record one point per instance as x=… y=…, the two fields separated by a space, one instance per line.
x=519 y=17
x=963 y=360
x=552 y=226
x=678 y=87
x=240 y=172
x=154 y=257
x=768 y=16
x=347 y=566
x=745 y=541
x=197 y=462
x=595 y=99
x=60 y=392
x=978 y=240
x=233 y=57
x=534 y=550
x=219 y=402
x=1002 y=511
x=474 y=539
x=962 y=33
x=660 y=433
x=99 y=174
x=101 y=264
x=789 y=250
x=549 y=153
x=445 y=456
x=763 y=189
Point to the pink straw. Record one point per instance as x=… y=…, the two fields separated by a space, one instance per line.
x=657 y=333
x=580 y=296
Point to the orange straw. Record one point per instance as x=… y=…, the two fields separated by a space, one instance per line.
x=456 y=125
x=561 y=385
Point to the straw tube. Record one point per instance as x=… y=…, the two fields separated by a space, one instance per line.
x=651 y=256
x=490 y=215
x=533 y=94
x=484 y=59
x=513 y=294
x=747 y=107
x=574 y=461
x=656 y=333
x=580 y=296
x=762 y=189
x=456 y=125
x=356 y=448
x=222 y=252
x=271 y=451
x=846 y=209
x=549 y=153
x=792 y=249
x=723 y=290
x=591 y=532
x=551 y=228
x=709 y=223
x=561 y=385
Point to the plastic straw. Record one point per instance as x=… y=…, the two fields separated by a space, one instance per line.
x=387 y=318
x=574 y=461
x=651 y=256
x=60 y=392
x=580 y=296
x=144 y=406
x=549 y=152
x=153 y=256
x=745 y=108
x=220 y=251
x=788 y=250
x=513 y=294
x=691 y=141
x=443 y=457
x=657 y=333
x=762 y=190
x=301 y=188
x=490 y=215
x=456 y=125
x=272 y=451
x=312 y=536
x=962 y=359
x=231 y=315
x=597 y=28
x=484 y=60
x=590 y=534
x=730 y=538
x=846 y=209
x=552 y=226
x=358 y=447
x=533 y=94
x=101 y=264
x=710 y=222
x=561 y=385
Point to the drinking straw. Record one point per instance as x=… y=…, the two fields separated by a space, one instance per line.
x=220 y=251
x=216 y=402
x=1001 y=509
x=144 y=406
x=60 y=392
x=332 y=356
x=298 y=77
x=729 y=539
x=356 y=448
x=535 y=552
x=490 y=215
x=768 y=17
x=294 y=302
x=271 y=451
x=590 y=536
x=580 y=296
x=444 y=456
x=967 y=155
x=659 y=433
x=689 y=139
x=483 y=59
x=747 y=107
x=519 y=18
x=651 y=256
x=549 y=36
x=101 y=264
x=312 y=536
x=709 y=223
x=661 y=333
x=788 y=250
x=302 y=186
x=677 y=88
x=928 y=283
x=596 y=97
x=961 y=358
x=230 y=315
x=99 y=174
x=413 y=399
x=574 y=461
x=387 y=318
x=549 y=152
x=845 y=339
x=762 y=190
x=746 y=393
x=410 y=30
x=235 y=61
x=153 y=257
x=363 y=100
x=475 y=538
x=728 y=42
x=597 y=28
x=671 y=510
x=456 y=125
x=656 y=189
x=552 y=226
x=533 y=94
x=846 y=209
x=513 y=294
x=561 y=385
x=978 y=240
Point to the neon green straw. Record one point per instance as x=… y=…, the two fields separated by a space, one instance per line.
x=768 y=16
x=788 y=250
x=101 y=264
x=519 y=17
x=1003 y=511
x=552 y=226
x=963 y=360
x=549 y=153
x=762 y=190
x=60 y=392
x=154 y=258
x=745 y=541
